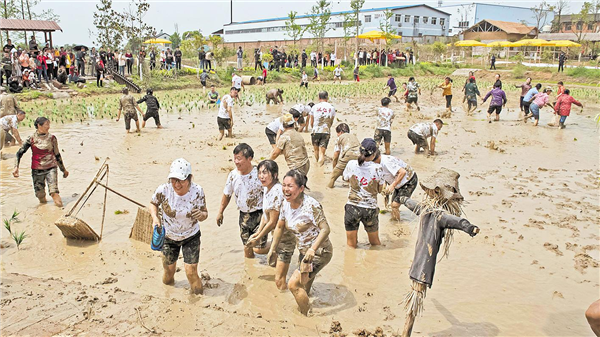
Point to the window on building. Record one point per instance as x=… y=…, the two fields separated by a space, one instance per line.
x=568 y=27
x=425 y=19
x=579 y=26
x=367 y=18
x=590 y=26
x=463 y=24
x=417 y=19
x=397 y=18
x=407 y=18
x=442 y=21
x=434 y=21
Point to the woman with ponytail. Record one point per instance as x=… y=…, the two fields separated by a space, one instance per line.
x=447 y=93
x=46 y=158
x=366 y=181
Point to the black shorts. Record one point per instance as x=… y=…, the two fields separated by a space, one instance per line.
x=224 y=123
x=320 y=139
x=128 y=117
x=152 y=114
x=471 y=103
x=410 y=100
x=189 y=246
x=271 y=135
x=417 y=139
x=392 y=92
x=354 y=215
x=495 y=108
x=249 y=223
x=521 y=102
x=448 y=101
x=526 y=107
x=386 y=135
x=203 y=83
x=406 y=190
x=321 y=259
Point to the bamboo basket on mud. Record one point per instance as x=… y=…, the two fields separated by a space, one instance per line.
x=74 y=228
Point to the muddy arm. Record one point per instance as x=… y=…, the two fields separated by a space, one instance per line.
x=22 y=151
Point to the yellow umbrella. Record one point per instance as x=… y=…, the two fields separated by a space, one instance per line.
x=469 y=43
x=565 y=43
x=499 y=44
x=157 y=41
x=378 y=35
x=532 y=43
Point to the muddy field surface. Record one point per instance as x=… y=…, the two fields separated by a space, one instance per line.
x=532 y=271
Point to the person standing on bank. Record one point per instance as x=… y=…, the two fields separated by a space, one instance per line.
x=44 y=161
x=183 y=206
x=244 y=183
x=493 y=62
x=561 y=62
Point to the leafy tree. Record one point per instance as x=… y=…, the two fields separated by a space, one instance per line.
x=192 y=42
x=175 y=38
x=356 y=6
x=108 y=22
x=320 y=15
x=540 y=13
x=582 y=19
x=24 y=10
x=293 y=29
x=560 y=7
x=133 y=24
x=385 y=26
x=439 y=48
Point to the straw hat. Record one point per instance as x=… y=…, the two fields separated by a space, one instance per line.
x=443 y=183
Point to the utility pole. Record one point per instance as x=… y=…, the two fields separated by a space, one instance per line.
x=230 y=11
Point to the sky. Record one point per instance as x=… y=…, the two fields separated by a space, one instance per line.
x=76 y=17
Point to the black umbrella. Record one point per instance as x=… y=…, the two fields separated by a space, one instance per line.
x=80 y=47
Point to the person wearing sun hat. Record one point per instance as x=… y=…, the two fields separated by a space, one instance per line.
x=291 y=144
x=539 y=101
x=366 y=181
x=183 y=207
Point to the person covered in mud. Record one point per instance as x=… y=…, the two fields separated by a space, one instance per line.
x=366 y=181
x=413 y=91
x=563 y=107
x=128 y=104
x=525 y=87
x=391 y=83
x=384 y=124
x=236 y=82
x=268 y=174
x=8 y=104
x=44 y=161
x=276 y=127
x=540 y=100
x=419 y=133
x=439 y=214
x=528 y=98
x=225 y=115
x=213 y=95
x=322 y=115
x=347 y=148
x=400 y=178
x=291 y=144
x=275 y=96
x=152 y=107
x=304 y=110
x=592 y=314
x=183 y=207
x=496 y=103
x=447 y=93
x=243 y=182
x=471 y=93
x=303 y=215
x=9 y=129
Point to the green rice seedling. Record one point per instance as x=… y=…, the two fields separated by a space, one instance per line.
x=19 y=238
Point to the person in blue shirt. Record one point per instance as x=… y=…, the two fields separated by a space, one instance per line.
x=529 y=97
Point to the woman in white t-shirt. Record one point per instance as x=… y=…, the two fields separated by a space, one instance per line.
x=401 y=180
x=366 y=181
x=268 y=174
x=122 y=62
x=304 y=82
x=183 y=207
x=384 y=124
x=304 y=216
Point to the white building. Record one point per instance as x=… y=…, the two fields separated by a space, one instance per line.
x=463 y=16
x=411 y=21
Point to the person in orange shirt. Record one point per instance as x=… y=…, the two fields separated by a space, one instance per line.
x=447 y=93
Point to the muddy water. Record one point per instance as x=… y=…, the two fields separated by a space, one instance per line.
x=530 y=271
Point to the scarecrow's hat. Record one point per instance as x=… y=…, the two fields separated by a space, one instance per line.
x=443 y=183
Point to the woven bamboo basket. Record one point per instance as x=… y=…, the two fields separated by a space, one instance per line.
x=75 y=228
x=142 y=227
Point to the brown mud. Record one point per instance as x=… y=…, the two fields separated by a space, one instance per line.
x=535 y=198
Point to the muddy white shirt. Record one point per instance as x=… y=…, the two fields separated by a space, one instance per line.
x=386 y=116
x=177 y=210
x=9 y=122
x=226 y=102
x=323 y=114
x=272 y=199
x=391 y=166
x=425 y=129
x=337 y=72
x=303 y=109
x=304 y=223
x=276 y=125
x=247 y=189
x=365 y=183
x=236 y=82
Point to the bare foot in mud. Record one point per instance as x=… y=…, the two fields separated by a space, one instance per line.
x=42 y=200
x=159 y=127
x=143 y=124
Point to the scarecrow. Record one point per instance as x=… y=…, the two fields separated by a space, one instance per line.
x=439 y=214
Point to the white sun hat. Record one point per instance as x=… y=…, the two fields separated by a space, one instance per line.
x=180 y=169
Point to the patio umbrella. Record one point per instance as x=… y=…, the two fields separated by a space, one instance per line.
x=80 y=47
x=499 y=44
x=532 y=43
x=157 y=41
x=565 y=43
x=378 y=35
x=468 y=43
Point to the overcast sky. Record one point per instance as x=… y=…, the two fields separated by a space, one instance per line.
x=76 y=18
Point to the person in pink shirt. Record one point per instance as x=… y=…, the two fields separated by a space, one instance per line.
x=539 y=101
x=563 y=106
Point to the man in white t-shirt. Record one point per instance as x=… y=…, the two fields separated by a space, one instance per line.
x=313 y=59
x=321 y=119
x=9 y=126
x=248 y=190
x=384 y=124
x=236 y=82
x=304 y=110
x=419 y=133
x=225 y=116
x=332 y=59
x=337 y=74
